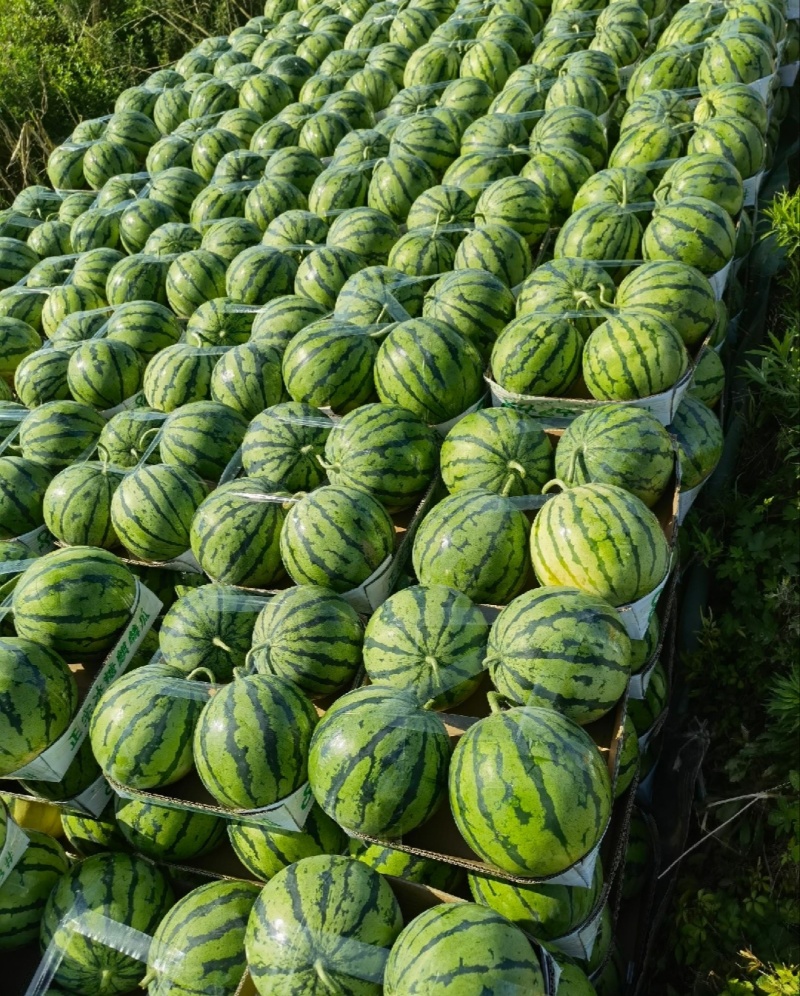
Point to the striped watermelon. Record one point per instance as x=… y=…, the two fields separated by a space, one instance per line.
x=194 y=278
x=284 y=445
x=476 y=542
x=65 y=166
x=425 y=366
x=88 y=835
x=669 y=68
x=560 y=797
x=573 y=128
x=207 y=927
x=691 y=230
x=275 y=134
x=139 y=219
x=104 y=159
x=547 y=912
x=644 y=144
x=422 y=254
x=24 y=892
x=268 y=199
x=77 y=504
x=537 y=355
x=338 y=188
x=560 y=172
x=336 y=537
x=23 y=484
x=39 y=696
x=633 y=355
x=324 y=271
x=385 y=450
x=97 y=228
x=129 y=890
x=202 y=437
x=698 y=433
x=736 y=100
x=16 y=260
x=659 y=107
x=368 y=233
x=310 y=636
x=518 y=203
x=428 y=640
x=430 y=64
x=734 y=58
x=397 y=182
x=240 y=765
x=91 y=269
x=671 y=287
x=498 y=249
x=703 y=174
x=297 y=165
x=178 y=375
x=628 y=764
x=138 y=278
x=259 y=274
x=104 y=372
x=580 y=90
x=737 y=140
x=235 y=533
x=152 y=510
x=644 y=712
x=296 y=232
x=172 y=238
x=360 y=147
x=315 y=941
x=450 y=947
x=619 y=445
x=601 y=232
x=378 y=762
x=209 y=627
x=377 y=295
x=475 y=302
x=166 y=834
x=229 y=236
x=412 y=867
x=63 y=301
x=427 y=137
x=642 y=651
x=329 y=363
x=265 y=852
x=566 y=287
x=128 y=435
x=247 y=378
x=560 y=648
x=132 y=129
x=602 y=540
x=446 y=208
x=142 y=726
x=498 y=449
x=219 y=322
x=168 y=152
x=73 y=601
x=708 y=379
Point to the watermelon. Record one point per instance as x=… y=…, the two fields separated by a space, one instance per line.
x=669 y=68
x=24 y=891
x=51 y=238
x=643 y=651
x=449 y=209
x=378 y=762
x=560 y=800
x=385 y=450
x=657 y=107
x=235 y=533
x=337 y=537
x=301 y=229
x=462 y=948
x=324 y=271
x=168 y=152
x=498 y=249
x=166 y=834
x=39 y=697
x=297 y=944
x=670 y=287
x=700 y=442
x=476 y=542
x=547 y=912
x=628 y=763
x=737 y=140
x=498 y=449
x=23 y=485
x=202 y=437
x=268 y=199
x=427 y=137
x=284 y=445
x=128 y=436
x=518 y=203
x=361 y=147
x=97 y=228
x=734 y=58
x=247 y=378
x=73 y=601
x=265 y=94
x=691 y=230
x=194 y=278
x=601 y=232
x=619 y=445
x=338 y=188
x=259 y=274
x=602 y=540
x=537 y=354
x=229 y=236
x=65 y=166
x=129 y=890
x=708 y=379
x=580 y=90
x=275 y=134
x=412 y=867
x=644 y=712
x=558 y=647
x=139 y=219
x=178 y=375
x=91 y=269
x=152 y=510
x=560 y=172
x=425 y=366
x=329 y=363
x=209 y=627
x=142 y=726
x=475 y=302
x=565 y=288
x=207 y=928
x=16 y=260
x=396 y=183
x=703 y=175
x=736 y=100
x=137 y=278
x=103 y=373
x=430 y=641
x=172 y=238
x=250 y=770
x=77 y=504
x=80 y=774
x=422 y=254
x=377 y=295
x=42 y=377
x=88 y=835
x=633 y=355
x=266 y=852
x=368 y=233
x=63 y=301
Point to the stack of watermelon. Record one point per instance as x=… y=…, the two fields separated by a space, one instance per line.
x=255 y=318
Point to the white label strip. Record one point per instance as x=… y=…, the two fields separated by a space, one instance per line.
x=15 y=846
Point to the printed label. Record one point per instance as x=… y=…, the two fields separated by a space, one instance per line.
x=15 y=846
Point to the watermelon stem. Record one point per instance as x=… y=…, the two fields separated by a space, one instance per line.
x=151 y=976
x=325 y=979
x=493 y=698
x=221 y=644
x=555 y=483
x=624 y=203
x=202 y=672
x=517 y=471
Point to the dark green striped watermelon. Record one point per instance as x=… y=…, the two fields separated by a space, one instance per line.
x=77 y=504
x=368 y=233
x=474 y=302
x=737 y=140
x=519 y=203
x=600 y=232
x=378 y=762
x=428 y=640
x=628 y=763
x=39 y=697
x=81 y=773
x=17 y=340
x=498 y=249
x=89 y=835
x=497 y=449
x=42 y=377
x=259 y=274
x=706 y=175
x=202 y=437
x=138 y=278
x=207 y=927
x=448 y=209
x=698 y=433
x=620 y=445
x=74 y=601
x=560 y=171
x=220 y=322
x=178 y=375
x=733 y=100
x=278 y=321
x=691 y=230
x=669 y=68
x=601 y=539
x=23 y=484
x=128 y=435
x=324 y=271
x=567 y=287
x=338 y=188
x=145 y=325
x=449 y=948
x=129 y=890
x=285 y=443
x=329 y=363
x=529 y=791
x=252 y=740
x=142 y=726
x=545 y=911
x=230 y=236
x=25 y=890
x=104 y=372
x=377 y=295
x=247 y=378
x=580 y=90
x=734 y=58
x=643 y=713
x=476 y=542
x=708 y=380
x=297 y=944
x=673 y=288
x=537 y=355
x=396 y=183
x=642 y=651
x=164 y=833
x=400 y=864
x=560 y=648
